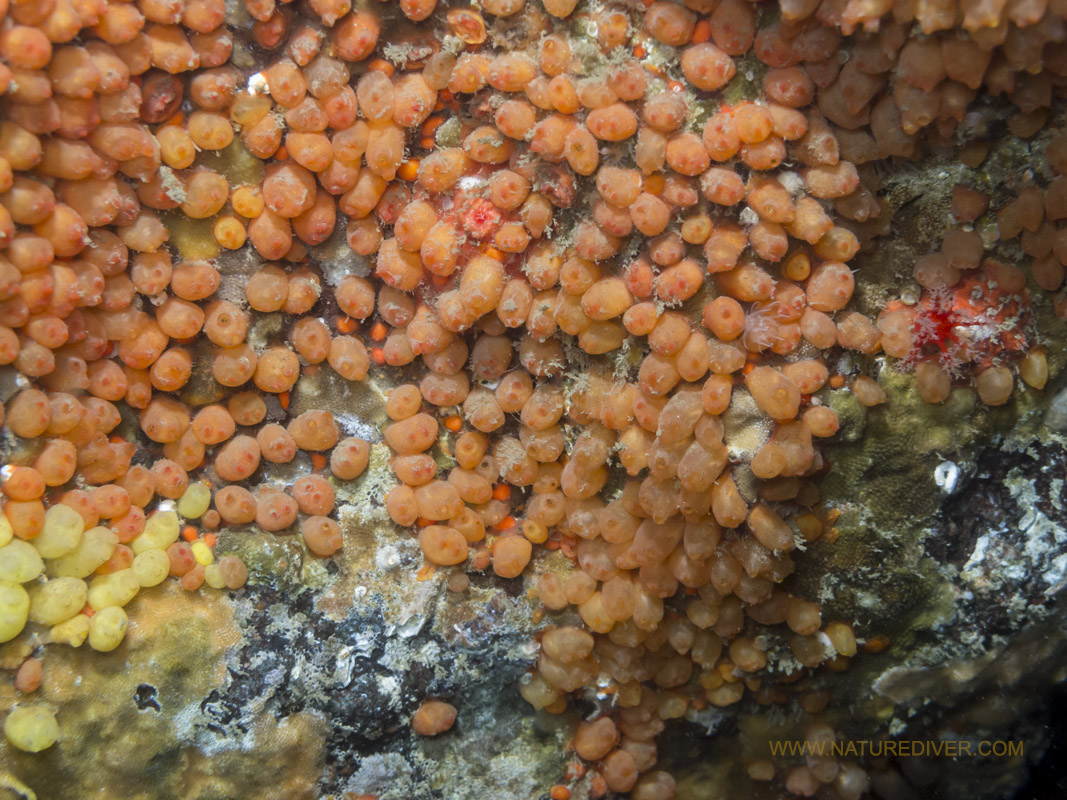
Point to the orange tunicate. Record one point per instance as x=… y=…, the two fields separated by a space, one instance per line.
x=606 y=299
x=830 y=286
x=560 y=8
x=443 y=545
x=821 y=421
x=482 y=285
x=770 y=529
x=515 y=118
x=275 y=510
x=747 y=282
x=234 y=366
x=21 y=483
x=724 y=317
x=415 y=470
x=994 y=385
x=236 y=505
x=594 y=740
x=56 y=462
x=164 y=420
x=181 y=558
x=275 y=444
x=266 y=290
x=707 y=67
x=314 y=430
x=670 y=23
x=277 y=370
x=486 y=145
x=722 y=186
x=664 y=112
x=412 y=435
x=613 y=123
x=511 y=554
x=933 y=382
x=403 y=402
x=510 y=72
x=774 y=393
x=433 y=717
x=26 y=517
x=311 y=339
x=322 y=535
x=247 y=408
x=233 y=572
x=686 y=155
x=111 y=501
x=169 y=479
x=438 y=500
x=237 y=459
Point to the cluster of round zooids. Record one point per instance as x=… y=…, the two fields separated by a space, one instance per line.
x=561 y=182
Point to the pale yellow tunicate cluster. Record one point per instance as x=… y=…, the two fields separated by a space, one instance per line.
x=62 y=532
x=196 y=500
x=107 y=628
x=151 y=567
x=95 y=548
x=14 y=610
x=31 y=728
x=213 y=576
x=19 y=562
x=160 y=531
x=49 y=579
x=115 y=589
x=57 y=600
x=73 y=632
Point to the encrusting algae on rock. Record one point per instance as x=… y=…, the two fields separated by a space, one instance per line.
x=556 y=304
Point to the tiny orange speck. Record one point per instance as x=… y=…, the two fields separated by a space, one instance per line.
x=409 y=170
x=381 y=65
x=426 y=571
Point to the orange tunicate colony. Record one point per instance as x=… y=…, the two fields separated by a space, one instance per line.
x=719 y=252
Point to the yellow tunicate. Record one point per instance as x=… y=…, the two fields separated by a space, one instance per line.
x=73 y=632
x=116 y=589
x=213 y=577
x=14 y=610
x=195 y=501
x=63 y=528
x=151 y=567
x=19 y=562
x=107 y=629
x=202 y=553
x=31 y=728
x=96 y=547
x=57 y=600
x=160 y=531
x=5 y=530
